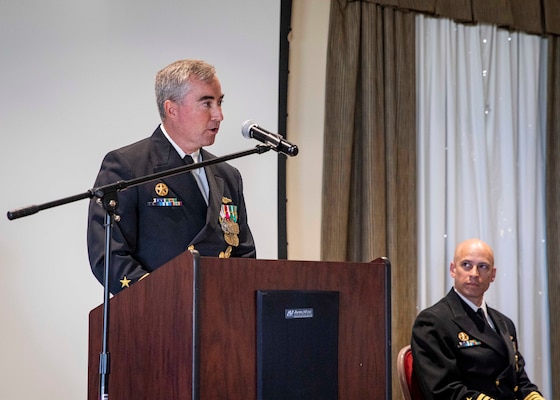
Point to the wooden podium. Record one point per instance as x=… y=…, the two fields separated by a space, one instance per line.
x=188 y=330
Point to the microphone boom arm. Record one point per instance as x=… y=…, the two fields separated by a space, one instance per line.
x=100 y=191
x=108 y=195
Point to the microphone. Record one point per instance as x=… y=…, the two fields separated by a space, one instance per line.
x=250 y=129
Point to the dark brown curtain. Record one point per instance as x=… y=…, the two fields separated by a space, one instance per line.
x=553 y=207
x=369 y=182
x=530 y=16
x=369 y=196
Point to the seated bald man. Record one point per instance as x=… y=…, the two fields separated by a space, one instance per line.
x=463 y=349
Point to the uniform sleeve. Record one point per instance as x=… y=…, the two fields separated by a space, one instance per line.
x=124 y=269
x=526 y=389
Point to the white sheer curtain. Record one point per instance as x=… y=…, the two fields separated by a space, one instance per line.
x=481 y=137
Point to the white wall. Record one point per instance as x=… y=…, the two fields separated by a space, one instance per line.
x=306 y=113
x=76 y=80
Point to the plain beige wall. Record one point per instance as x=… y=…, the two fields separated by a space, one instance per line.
x=306 y=105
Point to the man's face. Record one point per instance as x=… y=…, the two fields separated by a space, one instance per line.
x=473 y=270
x=195 y=121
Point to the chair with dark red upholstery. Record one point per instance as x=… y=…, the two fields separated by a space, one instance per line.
x=409 y=385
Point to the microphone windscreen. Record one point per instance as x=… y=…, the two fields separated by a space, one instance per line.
x=246 y=128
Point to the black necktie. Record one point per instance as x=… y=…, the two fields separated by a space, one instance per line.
x=188 y=159
x=482 y=315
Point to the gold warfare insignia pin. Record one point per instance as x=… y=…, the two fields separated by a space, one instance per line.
x=161 y=189
x=463 y=337
x=225 y=200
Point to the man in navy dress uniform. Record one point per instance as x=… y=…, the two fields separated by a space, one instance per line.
x=463 y=349
x=202 y=210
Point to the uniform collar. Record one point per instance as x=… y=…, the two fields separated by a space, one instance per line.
x=195 y=156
